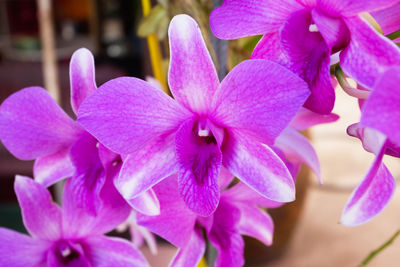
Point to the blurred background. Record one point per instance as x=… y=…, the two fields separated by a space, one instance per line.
x=308 y=232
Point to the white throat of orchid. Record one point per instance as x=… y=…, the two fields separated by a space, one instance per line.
x=313 y=28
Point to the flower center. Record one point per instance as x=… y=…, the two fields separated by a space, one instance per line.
x=313 y=28
x=204 y=132
x=65 y=253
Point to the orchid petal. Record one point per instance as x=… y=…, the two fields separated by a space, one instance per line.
x=82 y=77
x=189 y=56
x=388 y=19
x=372 y=140
x=226 y=237
x=127 y=113
x=20 y=250
x=256 y=223
x=146 y=203
x=111 y=251
x=32 y=125
x=259 y=167
x=297 y=147
x=368 y=54
x=191 y=253
x=238 y=18
x=242 y=193
x=260 y=103
x=89 y=176
x=371 y=196
x=79 y=222
x=381 y=110
x=42 y=218
x=50 y=169
x=145 y=168
x=199 y=165
x=310 y=59
x=332 y=29
x=305 y=119
x=175 y=222
x=353 y=7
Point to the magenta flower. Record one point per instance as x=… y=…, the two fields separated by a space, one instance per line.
x=379 y=132
x=64 y=237
x=33 y=126
x=207 y=126
x=302 y=35
x=238 y=214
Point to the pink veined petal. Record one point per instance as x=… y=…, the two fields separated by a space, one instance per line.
x=260 y=103
x=333 y=30
x=259 y=167
x=42 y=218
x=125 y=114
x=146 y=203
x=310 y=59
x=32 y=125
x=105 y=251
x=113 y=210
x=175 y=222
x=199 y=161
x=371 y=196
x=240 y=18
x=388 y=19
x=381 y=110
x=82 y=77
x=256 y=223
x=353 y=7
x=19 y=250
x=305 y=119
x=372 y=140
x=192 y=252
x=225 y=178
x=270 y=47
x=242 y=193
x=298 y=148
x=368 y=54
x=148 y=166
x=90 y=176
x=192 y=76
x=225 y=236
x=50 y=169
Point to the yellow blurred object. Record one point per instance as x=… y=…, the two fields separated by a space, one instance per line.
x=202 y=263
x=155 y=51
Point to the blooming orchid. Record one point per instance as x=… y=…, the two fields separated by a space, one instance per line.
x=238 y=213
x=208 y=125
x=303 y=34
x=63 y=237
x=33 y=126
x=379 y=132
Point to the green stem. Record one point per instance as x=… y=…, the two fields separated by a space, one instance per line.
x=380 y=249
x=394 y=35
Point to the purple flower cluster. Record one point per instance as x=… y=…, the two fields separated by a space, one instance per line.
x=168 y=165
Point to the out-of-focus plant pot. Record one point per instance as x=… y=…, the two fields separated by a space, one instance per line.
x=285 y=219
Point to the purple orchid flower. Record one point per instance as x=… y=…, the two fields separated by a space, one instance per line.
x=33 y=126
x=64 y=237
x=303 y=34
x=237 y=214
x=379 y=132
x=209 y=125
